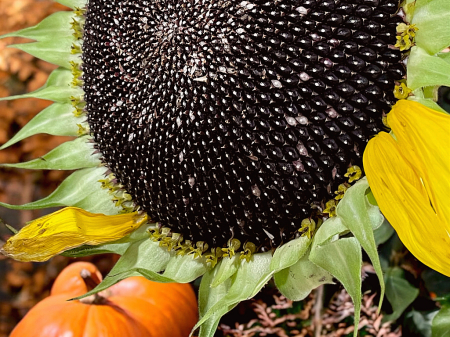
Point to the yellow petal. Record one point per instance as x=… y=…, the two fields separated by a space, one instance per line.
x=409 y=175
x=424 y=134
x=68 y=228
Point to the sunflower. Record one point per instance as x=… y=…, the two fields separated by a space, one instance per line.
x=224 y=139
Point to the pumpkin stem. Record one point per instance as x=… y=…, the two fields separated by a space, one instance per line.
x=91 y=281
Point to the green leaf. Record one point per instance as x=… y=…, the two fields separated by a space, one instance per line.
x=342 y=259
x=425 y=70
x=362 y=218
x=185 y=269
x=427 y=102
x=71 y=155
x=81 y=189
x=437 y=283
x=73 y=3
x=52 y=27
x=284 y=257
x=59 y=77
x=207 y=298
x=226 y=268
x=383 y=233
x=246 y=283
x=56 y=89
x=209 y=328
x=289 y=253
x=370 y=197
x=143 y=258
x=444 y=56
x=399 y=292
x=57 y=120
x=297 y=281
x=117 y=247
x=53 y=51
x=86 y=250
x=431 y=17
x=431 y=93
x=440 y=326
x=328 y=230
x=418 y=323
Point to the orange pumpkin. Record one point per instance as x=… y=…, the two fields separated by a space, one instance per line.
x=134 y=307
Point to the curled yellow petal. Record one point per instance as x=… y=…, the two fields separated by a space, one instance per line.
x=68 y=228
x=410 y=179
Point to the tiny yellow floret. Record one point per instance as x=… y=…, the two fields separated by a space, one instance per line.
x=353 y=173
x=401 y=91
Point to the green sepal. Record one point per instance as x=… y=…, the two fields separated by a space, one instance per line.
x=56 y=89
x=73 y=3
x=245 y=283
x=81 y=189
x=289 y=253
x=329 y=230
x=142 y=258
x=53 y=51
x=399 y=292
x=342 y=259
x=362 y=218
x=73 y=155
x=185 y=269
x=226 y=268
x=428 y=102
x=432 y=19
x=424 y=70
x=297 y=281
x=208 y=297
x=53 y=27
x=57 y=120
x=117 y=247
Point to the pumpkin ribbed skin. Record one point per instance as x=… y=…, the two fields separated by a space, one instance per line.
x=133 y=307
x=70 y=281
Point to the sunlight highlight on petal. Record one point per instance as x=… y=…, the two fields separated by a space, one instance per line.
x=410 y=179
x=68 y=228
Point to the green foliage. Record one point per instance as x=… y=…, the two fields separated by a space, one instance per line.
x=297 y=281
x=57 y=88
x=441 y=323
x=425 y=70
x=81 y=189
x=399 y=292
x=58 y=120
x=431 y=17
x=73 y=155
